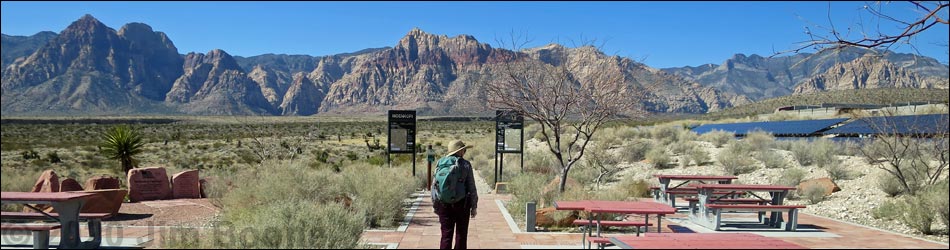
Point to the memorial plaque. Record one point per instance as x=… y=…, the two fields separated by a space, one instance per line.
x=509 y=134
x=149 y=184
x=402 y=131
x=185 y=185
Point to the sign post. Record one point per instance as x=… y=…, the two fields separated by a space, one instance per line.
x=509 y=138
x=430 y=157
x=401 y=137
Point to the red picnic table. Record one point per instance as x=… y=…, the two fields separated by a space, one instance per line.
x=67 y=206
x=664 y=194
x=708 y=205
x=702 y=241
x=618 y=207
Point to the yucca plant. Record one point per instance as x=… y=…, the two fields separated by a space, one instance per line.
x=122 y=143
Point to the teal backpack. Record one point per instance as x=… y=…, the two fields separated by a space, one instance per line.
x=450 y=180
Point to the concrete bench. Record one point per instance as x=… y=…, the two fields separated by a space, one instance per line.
x=792 y=210
x=93 y=220
x=40 y=232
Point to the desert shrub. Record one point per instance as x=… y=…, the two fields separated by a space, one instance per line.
x=735 y=159
x=680 y=148
x=819 y=152
x=771 y=159
x=21 y=180
x=665 y=134
x=889 y=185
x=939 y=198
x=686 y=135
x=814 y=194
x=540 y=136
x=718 y=138
x=698 y=155
x=30 y=155
x=292 y=224
x=917 y=213
x=636 y=151
x=658 y=157
x=838 y=172
x=527 y=187
x=850 y=148
x=53 y=157
x=791 y=177
x=759 y=141
x=630 y=188
x=887 y=210
x=379 y=192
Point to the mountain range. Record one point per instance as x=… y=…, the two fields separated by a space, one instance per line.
x=90 y=68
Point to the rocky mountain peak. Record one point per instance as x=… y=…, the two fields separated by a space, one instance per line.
x=86 y=24
x=217 y=57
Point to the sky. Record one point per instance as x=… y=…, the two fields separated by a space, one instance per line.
x=660 y=34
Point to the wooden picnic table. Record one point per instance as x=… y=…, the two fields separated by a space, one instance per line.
x=707 y=197
x=67 y=206
x=702 y=241
x=597 y=208
x=663 y=194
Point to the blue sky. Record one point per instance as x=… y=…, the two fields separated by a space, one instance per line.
x=663 y=34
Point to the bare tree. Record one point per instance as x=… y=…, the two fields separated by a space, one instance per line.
x=909 y=151
x=929 y=17
x=570 y=96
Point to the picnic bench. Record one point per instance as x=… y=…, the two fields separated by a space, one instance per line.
x=67 y=205
x=596 y=209
x=707 y=210
x=667 y=194
x=702 y=241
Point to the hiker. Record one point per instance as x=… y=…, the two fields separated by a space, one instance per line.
x=454 y=196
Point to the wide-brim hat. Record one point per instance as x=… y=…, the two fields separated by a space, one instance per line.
x=456 y=146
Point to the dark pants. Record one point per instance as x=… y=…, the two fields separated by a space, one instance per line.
x=454 y=219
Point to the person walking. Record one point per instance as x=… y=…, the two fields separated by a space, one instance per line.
x=454 y=196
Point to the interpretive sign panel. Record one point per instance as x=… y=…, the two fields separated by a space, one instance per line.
x=509 y=126
x=402 y=131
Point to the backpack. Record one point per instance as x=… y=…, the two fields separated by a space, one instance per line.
x=450 y=180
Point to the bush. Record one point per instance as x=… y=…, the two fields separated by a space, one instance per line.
x=889 y=185
x=771 y=159
x=718 y=138
x=379 y=192
x=888 y=210
x=820 y=152
x=814 y=194
x=759 y=141
x=735 y=159
x=837 y=172
x=940 y=200
x=630 y=188
x=527 y=187
x=659 y=157
x=698 y=155
x=636 y=151
x=791 y=177
x=665 y=134
x=917 y=214
x=291 y=224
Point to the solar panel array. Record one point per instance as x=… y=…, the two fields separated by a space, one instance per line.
x=779 y=128
x=895 y=125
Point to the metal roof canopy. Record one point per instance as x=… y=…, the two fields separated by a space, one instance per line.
x=777 y=128
x=895 y=125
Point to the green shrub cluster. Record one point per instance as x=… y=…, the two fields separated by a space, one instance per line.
x=718 y=138
x=735 y=159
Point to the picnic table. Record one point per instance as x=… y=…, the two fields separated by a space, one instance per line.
x=67 y=206
x=708 y=211
x=702 y=241
x=597 y=208
x=665 y=193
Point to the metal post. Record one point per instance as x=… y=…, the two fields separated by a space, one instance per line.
x=530 y=216
x=413 y=162
x=496 y=167
x=501 y=169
